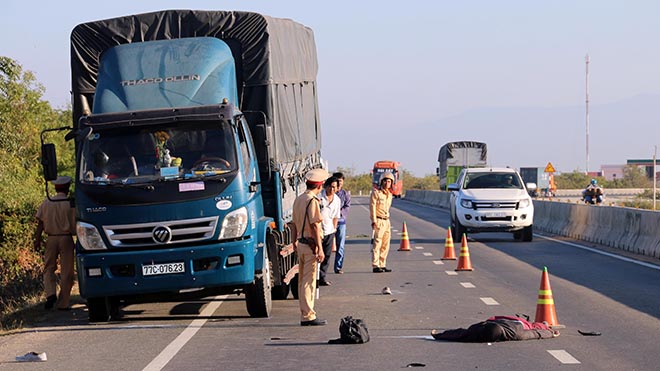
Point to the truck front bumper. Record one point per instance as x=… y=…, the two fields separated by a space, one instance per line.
x=121 y=273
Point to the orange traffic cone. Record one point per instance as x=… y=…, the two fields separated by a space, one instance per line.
x=449 y=247
x=405 y=243
x=545 y=306
x=464 y=257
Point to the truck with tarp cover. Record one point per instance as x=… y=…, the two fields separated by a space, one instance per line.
x=455 y=156
x=193 y=130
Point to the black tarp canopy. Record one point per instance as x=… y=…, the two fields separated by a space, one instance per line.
x=276 y=67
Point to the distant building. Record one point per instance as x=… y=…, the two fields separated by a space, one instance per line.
x=647 y=165
x=612 y=172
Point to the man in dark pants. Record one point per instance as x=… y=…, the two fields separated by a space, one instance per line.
x=340 y=234
x=498 y=328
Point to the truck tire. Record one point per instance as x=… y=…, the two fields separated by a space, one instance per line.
x=294 y=287
x=280 y=292
x=528 y=233
x=258 y=295
x=98 y=309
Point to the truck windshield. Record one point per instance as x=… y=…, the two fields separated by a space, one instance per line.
x=148 y=154
x=378 y=172
x=491 y=180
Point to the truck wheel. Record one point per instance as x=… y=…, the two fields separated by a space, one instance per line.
x=98 y=309
x=280 y=292
x=257 y=295
x=458 y=231
x=527 y=233
x=294 y=287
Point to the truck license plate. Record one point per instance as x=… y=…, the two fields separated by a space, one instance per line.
x=168 y=268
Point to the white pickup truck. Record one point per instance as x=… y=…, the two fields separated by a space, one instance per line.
x=491 y=200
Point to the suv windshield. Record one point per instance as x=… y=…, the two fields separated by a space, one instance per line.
x=491 y=180
x=147 y=154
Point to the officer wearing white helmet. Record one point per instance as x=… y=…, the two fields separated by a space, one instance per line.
x=379 y=212
x=57 y=219
x=309 y=234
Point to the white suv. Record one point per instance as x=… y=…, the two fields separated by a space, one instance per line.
x=491 y=200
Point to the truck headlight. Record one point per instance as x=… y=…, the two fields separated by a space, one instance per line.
x=234 y=224
x=523 y=203
x=466 y=203
x=89 y=237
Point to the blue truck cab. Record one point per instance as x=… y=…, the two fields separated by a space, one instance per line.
x=190 y=149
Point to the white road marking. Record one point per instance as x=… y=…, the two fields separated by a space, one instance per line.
x=644 y=264
x=451 y=273
x=175 y=346
x=468 y=285
x=428 y=254
x=489 y=301
x=419 y=247
x=564 y=357
x=438 y=262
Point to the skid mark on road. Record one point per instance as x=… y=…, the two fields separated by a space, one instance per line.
x=564 y=357
x=175 y=346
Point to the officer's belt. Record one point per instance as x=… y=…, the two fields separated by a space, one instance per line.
x=382 y=218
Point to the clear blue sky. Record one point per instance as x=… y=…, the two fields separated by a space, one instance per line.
x=399 y=79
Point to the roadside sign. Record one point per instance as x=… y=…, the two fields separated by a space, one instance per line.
x=549 y=168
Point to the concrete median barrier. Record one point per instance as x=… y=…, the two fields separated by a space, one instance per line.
x=633 y=230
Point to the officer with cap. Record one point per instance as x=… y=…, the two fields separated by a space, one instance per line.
x=309 y=231
x=379 y=212
x=57 y=219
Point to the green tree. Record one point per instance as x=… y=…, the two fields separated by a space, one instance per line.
x=23 y=114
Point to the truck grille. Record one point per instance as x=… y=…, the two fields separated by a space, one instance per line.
x=495 y=205
x=166 y=232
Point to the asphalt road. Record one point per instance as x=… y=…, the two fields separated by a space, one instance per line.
x=592 y=292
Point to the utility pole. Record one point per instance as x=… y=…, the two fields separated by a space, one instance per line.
x=586 y=61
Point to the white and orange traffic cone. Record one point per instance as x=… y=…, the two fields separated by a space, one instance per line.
x=449 y=247
x=405 y=243
x=545 y=305
x=464 y=263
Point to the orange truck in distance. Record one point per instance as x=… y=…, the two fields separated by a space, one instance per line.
x=381 y=167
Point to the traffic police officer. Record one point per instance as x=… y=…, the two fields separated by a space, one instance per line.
x=307 y=220
x=57 y=219
x=379 y=212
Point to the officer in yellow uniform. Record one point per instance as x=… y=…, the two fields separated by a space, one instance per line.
x=379 y=211
x=58 y=220
x=309 y=235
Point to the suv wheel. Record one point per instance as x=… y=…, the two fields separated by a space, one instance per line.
x=528 y=234
x=458 y=230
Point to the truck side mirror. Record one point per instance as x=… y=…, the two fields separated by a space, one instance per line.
x=452 y=187
x=49 y=161
x=261 y=136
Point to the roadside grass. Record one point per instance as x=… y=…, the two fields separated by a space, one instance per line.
x=30 y=312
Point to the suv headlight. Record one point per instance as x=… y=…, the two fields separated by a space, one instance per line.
x=466 y=203
x=234 y=224
x=89 y=237
x=523 y=203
